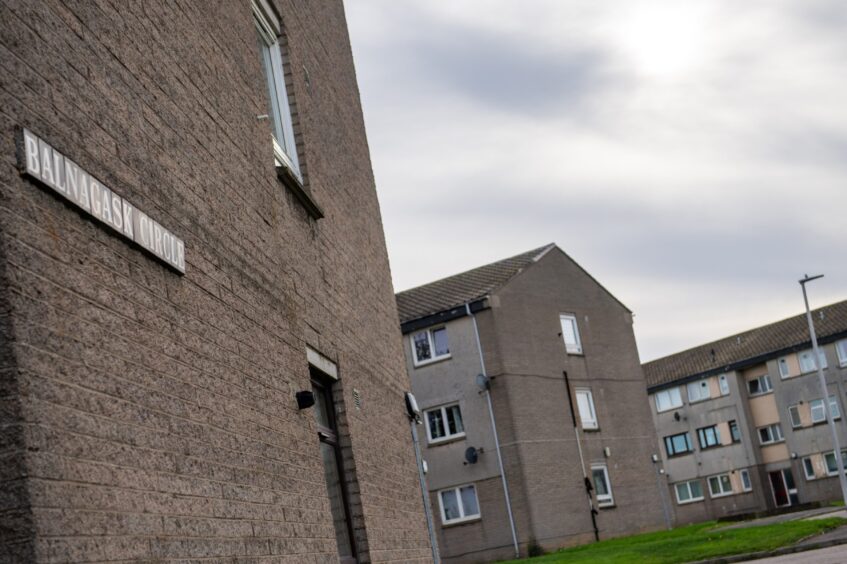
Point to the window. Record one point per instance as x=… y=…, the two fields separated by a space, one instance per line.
x=807 y=360
x=570 y=334
x=698 y=391
x=444 y=423
x=784 y=370
x=734 y=431
x=760 y=385
x=458 y=504
x=720 y=485
x=770 y=434
x=794 y=415
x=723 y=382
x=809 y=468
x=678 y=444
x=841 y=349
x=687 y=492
x=832 y=464
x=279 y=111
x=746 y=484
x=709 y=437
x=668 y=399
x=585 y=404
x=430 y=345
x=333 y=465
x=818 y=411
x=602 y=485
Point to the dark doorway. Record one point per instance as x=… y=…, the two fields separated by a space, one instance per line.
x=333 y=468
x=784 y=489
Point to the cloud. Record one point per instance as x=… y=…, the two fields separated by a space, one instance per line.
x=697 y=187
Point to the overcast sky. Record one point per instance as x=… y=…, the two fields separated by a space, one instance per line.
x=691 y=155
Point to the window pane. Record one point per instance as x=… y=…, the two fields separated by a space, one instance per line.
x=469 y=501
x=436 y=424
x=585 y=405
x=714 y=486
x=794 y=414
x=568 y=331
x=421 y=344
x=600 y=485
x=336 y=500
x=273 y=98
x=745 y=480
x=439 y=342
x=682 y=492
x=831 y=464
x=765 y=434
x=818 y=413
x=450 y=503
x=833 y=407
x=454 y=420
x=726 y=485
x=841 y=348
x=322 y=407
x=724 y=384
x=808 y=468
x=696 y=489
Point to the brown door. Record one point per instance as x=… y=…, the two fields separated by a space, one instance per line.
x=780 y=490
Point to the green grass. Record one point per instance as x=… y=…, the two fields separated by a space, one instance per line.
x=687 y=544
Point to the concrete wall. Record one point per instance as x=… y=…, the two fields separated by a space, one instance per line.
x=152 y=415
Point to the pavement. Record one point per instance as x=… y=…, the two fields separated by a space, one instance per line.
x=831 y=555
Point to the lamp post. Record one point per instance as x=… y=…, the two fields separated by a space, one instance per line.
x=828 y=409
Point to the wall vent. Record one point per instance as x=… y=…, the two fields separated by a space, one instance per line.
x=357 y=399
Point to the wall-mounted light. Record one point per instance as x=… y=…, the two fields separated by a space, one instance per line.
x=607 y=452
x=305 y=399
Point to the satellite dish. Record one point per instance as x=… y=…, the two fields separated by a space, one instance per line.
x=471 y=455
x=412 y=408
x=482 y=382
x=676 y=416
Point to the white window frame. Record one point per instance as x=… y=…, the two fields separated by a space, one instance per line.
x=672 y=400
x=449 y=436
x=811 y=352
x=721 y=484
x=782 y=363
x=723 y=384
x=575 y=347
x=607 y=500
x=701 y=391
x=691 y=498
x=734 y=423
x=807 y=464
x=820 y=406
x=841 y=352
x=773 y=436
x=431 y=342
x=590 y=422
x=702 y=434
x=843 y=459
x=794 y=410
x=764 y=378
x=269 y=29
x=746 y=483
x=464 y=517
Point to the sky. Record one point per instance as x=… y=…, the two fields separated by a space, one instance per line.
x=692 y=156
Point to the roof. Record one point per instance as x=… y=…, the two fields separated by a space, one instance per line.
x=463 y=288
x=747 y=348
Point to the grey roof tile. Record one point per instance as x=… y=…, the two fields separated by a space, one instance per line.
x=753 y=344
x=462 y=288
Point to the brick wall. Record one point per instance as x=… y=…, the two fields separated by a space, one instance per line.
x=153 y=414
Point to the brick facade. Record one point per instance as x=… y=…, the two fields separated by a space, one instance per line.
x=151 y=416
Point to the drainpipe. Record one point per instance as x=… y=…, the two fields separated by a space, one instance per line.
x=487 y=391
x=413 y=422
x=588 y=487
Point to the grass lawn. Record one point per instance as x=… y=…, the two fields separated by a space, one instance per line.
x=694 y=542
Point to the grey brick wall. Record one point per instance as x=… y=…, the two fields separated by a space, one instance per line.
x=153 y=415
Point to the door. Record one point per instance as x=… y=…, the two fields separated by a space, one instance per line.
x=784 y=489
x=333 y=468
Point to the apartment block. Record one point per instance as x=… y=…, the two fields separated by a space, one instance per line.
x=742 y=421
x=536 y=426
x=199 y=358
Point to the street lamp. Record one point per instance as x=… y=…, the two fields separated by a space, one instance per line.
x=817 y=356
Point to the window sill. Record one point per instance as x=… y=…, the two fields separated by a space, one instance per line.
x=716 y=496
x=772 y=443
x=690 y=501
x=680 y=406
x=594 y=429
x=292 y=183
x=464 y=521
x=432 y=360
x=607 y=505
x=446 y=440
x=677 y=455
x=760 y=394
